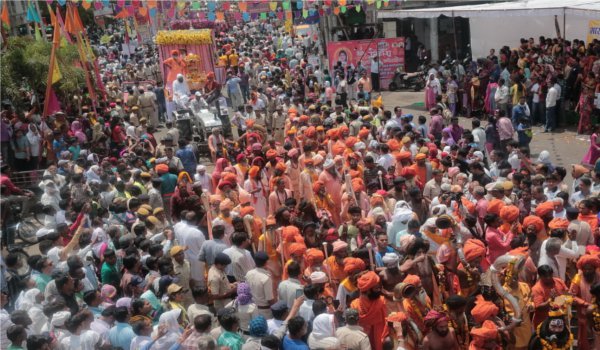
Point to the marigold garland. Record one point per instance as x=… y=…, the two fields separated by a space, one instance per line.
x=184 y=37
x=550 y=345
x=596 y=317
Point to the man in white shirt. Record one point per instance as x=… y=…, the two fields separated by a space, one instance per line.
x=311 y=292
x=241 y=260
x=375 y=73
x=585 y=187
x=551 y=99
x=192 y=238
x=502 y=95
x=288 y=290
x=536 y=113
x=385 y=160
x=180 y=89
x=555 y=253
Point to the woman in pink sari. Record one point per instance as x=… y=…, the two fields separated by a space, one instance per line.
x=432 y=89
x=586 y=104
x=593 y=152
x=221 y=164
x=490 y=102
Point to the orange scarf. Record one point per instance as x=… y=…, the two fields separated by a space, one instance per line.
x=371 y=315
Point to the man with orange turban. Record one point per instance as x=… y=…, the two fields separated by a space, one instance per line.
x=469 y=276
x=307 y=178
x=279 y=195
x=333 y=186
x=440 y=335
x=296 y=251
x=314 y=262
x=485 y=337
x=510 y=216
x=483 y=310
x=415 y=300
x=586 y=277
x=323 y=200
x=362 y=199
x=545 y=210
x=371 y=308
x=352 y=266
x=558 y=223
x=256 y=187
x=335 y=262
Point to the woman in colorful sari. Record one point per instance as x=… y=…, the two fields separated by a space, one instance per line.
x=593 y=152
x=258 y=190
x=221 y=164
x=432 y=89
x=586 y=105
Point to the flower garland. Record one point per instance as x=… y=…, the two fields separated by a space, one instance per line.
x=184 y=37
x=596 y=318
x=550 y=345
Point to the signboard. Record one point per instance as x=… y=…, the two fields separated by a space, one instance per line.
x=593 y=31
x=389 y=50
x=258 y=6
x=314 y=60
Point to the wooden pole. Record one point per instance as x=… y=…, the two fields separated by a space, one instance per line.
x=55 y=44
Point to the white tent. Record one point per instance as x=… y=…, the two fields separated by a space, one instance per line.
x=497 y=24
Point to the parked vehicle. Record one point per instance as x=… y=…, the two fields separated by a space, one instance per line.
x=405 y=81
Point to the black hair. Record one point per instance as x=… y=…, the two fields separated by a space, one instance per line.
x=202 y=323
x=295 y=325
x=121 y=314
x=545 y=271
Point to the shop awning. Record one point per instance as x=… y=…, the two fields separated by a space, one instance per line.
x=581 y=8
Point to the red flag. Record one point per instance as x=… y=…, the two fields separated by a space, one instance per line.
x=5 y=17
x=53 y=105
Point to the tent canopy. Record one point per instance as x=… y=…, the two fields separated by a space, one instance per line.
x=580 y=8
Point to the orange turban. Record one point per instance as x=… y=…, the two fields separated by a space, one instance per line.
x=413 y=280
x=271 y=154
x=352 y=265
x=317 y=186
x=535 y=221
x=343 y=129
x=311 y=132
x=253 y=171
x=473 y=249
x=468 y=205
x=351 y=141
x=509 y=213
x=247 y=210
x=523 y=251
x=420 y=156
x=495 y=206
x=227 y=204
x=403 y=155
x=408 y=172
x=394 y=145
x=376 y=199
x=364 y=132
x=304 y=118
x=338 y=148
x=291 y=234
x=162 y=168
x=367 y=281
x=487 y=331
x=544 y=208
x=292 y=110
x=354 y=174
x=229 y=177
x=558 y=223
x=250 y=123
x=281 y=166
x=297 y=249
x=358 y=185
x=314 y=255
x=483 y=310
x=588 y=259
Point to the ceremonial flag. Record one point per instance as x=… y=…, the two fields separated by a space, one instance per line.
x=32 y=14
x=36 y=32
x=51 y=102
x=56 y=74
x=52 y=15
x=65 y=37
x=5 y=17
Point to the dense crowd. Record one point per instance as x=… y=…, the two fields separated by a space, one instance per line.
x=330 y=220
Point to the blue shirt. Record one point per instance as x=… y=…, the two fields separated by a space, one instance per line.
x=188 y=159
x=121 y=335
x=379 y=256
x=294 y=344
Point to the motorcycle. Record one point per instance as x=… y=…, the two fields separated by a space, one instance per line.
x=403 y=80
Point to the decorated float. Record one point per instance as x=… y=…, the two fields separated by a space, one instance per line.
x=196 y=48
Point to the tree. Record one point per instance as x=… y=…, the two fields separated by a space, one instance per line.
x=25 y=65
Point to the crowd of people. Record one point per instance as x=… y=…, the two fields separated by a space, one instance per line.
x=537 y=83
x=330 y=221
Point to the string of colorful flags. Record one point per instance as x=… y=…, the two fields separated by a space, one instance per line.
x=215 y=10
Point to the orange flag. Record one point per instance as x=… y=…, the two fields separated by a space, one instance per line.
x=52 y=15
x=5 y=18
x=123 y=14
x=86 y=4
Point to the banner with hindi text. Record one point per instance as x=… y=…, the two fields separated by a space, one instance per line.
x=389 y=50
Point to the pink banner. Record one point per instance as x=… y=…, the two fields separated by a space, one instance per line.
x=389 y=50
x=206 y=53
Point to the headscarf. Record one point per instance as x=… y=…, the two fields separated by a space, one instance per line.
x=258 y=327
x=170 y=320
x=535 y=221
x=29 y=299
x=487 y=331
x=413 y=280
x=558 y=223
x=433 y=317
x=390 y=259
x=297 y=249
x=495 y=206
x=226 y=204
x=244 y=295
x=367 y=281
x=91 y=176
x=314 y=255
x=544 y=208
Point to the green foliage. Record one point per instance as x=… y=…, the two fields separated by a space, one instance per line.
x=25 y=64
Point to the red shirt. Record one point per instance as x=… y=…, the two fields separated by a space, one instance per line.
x=9 y=186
